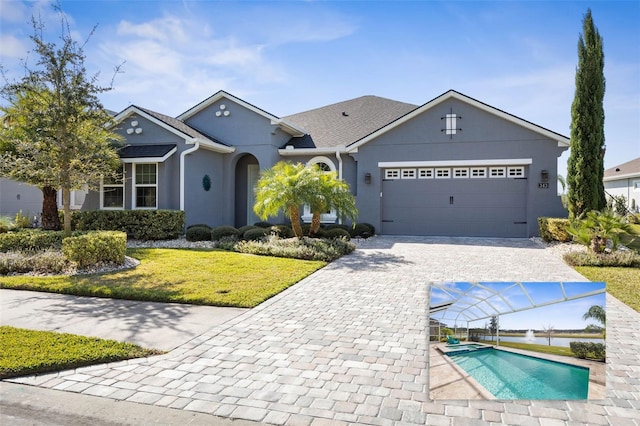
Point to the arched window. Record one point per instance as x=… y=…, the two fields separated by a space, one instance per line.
x=326 y=165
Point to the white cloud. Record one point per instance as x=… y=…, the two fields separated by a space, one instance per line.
x=13 y=47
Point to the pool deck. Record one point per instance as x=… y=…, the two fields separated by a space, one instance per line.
x=448 y=381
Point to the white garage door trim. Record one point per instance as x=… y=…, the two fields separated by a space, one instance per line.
x=454 y=163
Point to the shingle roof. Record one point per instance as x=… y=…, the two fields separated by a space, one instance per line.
x=180 y=126
x=145 y=151
x=623 y=170
x=344 y=123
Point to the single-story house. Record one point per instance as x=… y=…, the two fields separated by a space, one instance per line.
x=453 y=166
x=624 y=180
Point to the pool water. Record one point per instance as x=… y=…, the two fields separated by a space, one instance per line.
x=509 y=375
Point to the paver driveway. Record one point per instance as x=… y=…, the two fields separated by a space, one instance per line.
x=348 y=344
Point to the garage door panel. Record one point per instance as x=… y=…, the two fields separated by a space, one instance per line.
x=455 y=207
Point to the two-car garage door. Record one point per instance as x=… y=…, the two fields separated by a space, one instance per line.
x=482 y=202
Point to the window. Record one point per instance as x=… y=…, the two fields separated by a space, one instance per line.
x=112 y=192
x=460 y=173
x=478 y=172
x=425 y=173
x=450 y=120
x=443 y=173
x=636 y=185
x=392 y=174
x=514 y=172
x=328 y=216
x=497 y=172
x=408 y=173
x=145 y=186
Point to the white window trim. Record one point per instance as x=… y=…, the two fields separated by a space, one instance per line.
x=135 y=186
x=503 y=169
x=457 y=163
x=121 y=185
x=425 y=174
x=518 y=169
x=408 y=174
x=483 y=172
x=636 y=185
x=463 y=170
x=447 y=170
x=389 y=172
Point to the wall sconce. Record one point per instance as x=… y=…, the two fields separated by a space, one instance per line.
x=367 y=178
x=544 y=176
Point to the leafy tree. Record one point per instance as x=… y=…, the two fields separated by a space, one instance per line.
x=598 y=230
x=331 y=194
x=286 y=187
x=548 y=332
x=598 y=313
x=586 y=161
x=54 y=133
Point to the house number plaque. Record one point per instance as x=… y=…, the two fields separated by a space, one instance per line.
x=543 y=185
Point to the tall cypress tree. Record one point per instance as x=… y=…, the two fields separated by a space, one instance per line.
x=586 y=161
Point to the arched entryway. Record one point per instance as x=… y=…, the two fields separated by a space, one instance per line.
x=246 y=176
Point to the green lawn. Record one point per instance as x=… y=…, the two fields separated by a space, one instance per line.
x=24 y=352
x=204 y=277
x=622 y=283
x=545 y=349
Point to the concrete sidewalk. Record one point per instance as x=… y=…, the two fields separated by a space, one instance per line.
x=163 y=326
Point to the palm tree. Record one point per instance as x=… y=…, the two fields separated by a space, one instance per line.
x=597 y=313
x=598 y=229
x=331 y=194
x=284 y=187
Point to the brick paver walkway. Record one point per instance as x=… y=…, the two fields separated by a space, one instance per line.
x=348 y=344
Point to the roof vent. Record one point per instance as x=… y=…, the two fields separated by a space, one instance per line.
x=345 y=114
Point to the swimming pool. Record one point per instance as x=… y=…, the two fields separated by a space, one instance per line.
x=508 y=375
x=462 y=348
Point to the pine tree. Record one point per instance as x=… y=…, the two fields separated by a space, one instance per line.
x=586 y=161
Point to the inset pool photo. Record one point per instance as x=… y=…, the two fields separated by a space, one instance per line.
x=517 y=340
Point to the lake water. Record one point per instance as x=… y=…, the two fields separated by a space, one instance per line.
x=555 y=341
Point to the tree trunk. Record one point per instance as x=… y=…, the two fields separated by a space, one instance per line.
x=294 y=216
x=66 y=203
x=50 y=218
x=315 y=224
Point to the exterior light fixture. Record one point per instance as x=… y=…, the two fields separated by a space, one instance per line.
x=367 y=178
x=544 y=176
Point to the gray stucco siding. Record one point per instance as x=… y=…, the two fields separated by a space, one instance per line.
x=242 y=128
x=16 y=196
x=484 y=136
x=201 y=206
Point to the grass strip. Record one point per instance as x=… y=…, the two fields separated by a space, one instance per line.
x=200 y=277
x=545 y=349
x=24 y=352
x=622 y=283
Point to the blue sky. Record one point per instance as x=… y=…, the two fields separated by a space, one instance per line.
x=288 y=57
x=564 y=315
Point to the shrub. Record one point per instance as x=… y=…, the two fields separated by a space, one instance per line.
x=200 y=225
x=198 y=233
x=263 y=224
x=338 y=233
x=32 y=240
x=255 y=234
x=137 y=224
x=5 y=224
x=223 y=231
x=297 y=248
x=588 y=350
x=47 y=261
x=363 y=230
x=95 y=247
x=633 y=219
x=21 y=220
x=282 y=231
x=554 y=229
x=618 y=258
x=246 y=228
x=338 y=226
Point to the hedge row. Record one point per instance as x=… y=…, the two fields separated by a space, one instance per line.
x=554 y=229
x=137 y=224
x=588 y=350
x=96 y=247
x=32 y=240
